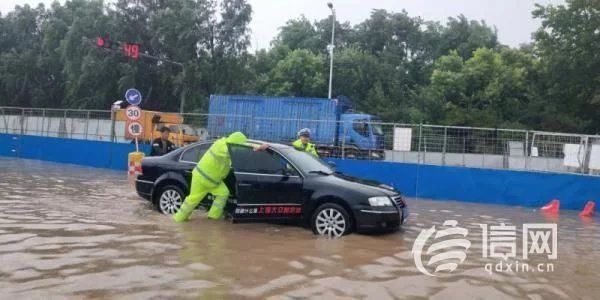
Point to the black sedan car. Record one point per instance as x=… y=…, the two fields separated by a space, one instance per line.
x=278 y=184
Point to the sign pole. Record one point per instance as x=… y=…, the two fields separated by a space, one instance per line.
x=134 y=127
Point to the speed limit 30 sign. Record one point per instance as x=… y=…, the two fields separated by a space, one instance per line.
x=135 y=128
x=133 y=113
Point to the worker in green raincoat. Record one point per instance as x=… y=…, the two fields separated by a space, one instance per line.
x=208 y=175
x=303 y=142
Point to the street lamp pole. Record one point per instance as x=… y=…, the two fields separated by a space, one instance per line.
x=331 y=46
x=183 y=92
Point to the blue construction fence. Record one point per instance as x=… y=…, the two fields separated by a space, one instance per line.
x=521 y=188
x=532 y=189
x=97 y=154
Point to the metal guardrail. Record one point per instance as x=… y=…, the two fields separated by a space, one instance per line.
x=410 y=143
x=64 y=123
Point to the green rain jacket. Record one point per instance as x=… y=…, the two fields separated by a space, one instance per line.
x=308 y=147
x=216 y=162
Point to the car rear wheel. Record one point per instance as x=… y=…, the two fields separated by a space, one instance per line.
x=331 y=220
x=169 y=200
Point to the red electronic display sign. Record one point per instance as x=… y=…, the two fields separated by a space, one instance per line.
x=129 y=49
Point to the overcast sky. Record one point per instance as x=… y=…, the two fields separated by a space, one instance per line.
x=511 y=17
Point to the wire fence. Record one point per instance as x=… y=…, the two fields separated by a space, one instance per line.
x=359 y=139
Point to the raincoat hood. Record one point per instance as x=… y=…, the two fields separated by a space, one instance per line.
x=237 y=138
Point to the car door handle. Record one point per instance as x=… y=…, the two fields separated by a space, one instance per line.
x=244 y=184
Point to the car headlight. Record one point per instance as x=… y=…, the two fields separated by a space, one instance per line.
x=380 y=201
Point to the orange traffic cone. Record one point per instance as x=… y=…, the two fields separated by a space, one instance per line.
x=588 y=210
x=552 y=207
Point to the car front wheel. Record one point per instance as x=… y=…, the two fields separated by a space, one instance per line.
x=169 y=200
x=331 y=220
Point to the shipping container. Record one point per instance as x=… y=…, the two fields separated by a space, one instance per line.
x=273 y=118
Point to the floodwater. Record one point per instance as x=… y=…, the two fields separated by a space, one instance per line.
x=75 y=232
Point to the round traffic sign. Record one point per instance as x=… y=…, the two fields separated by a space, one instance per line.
x=133 y=113
x=135 y=128
x=133 y=96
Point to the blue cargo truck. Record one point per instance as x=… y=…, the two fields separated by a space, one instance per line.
x=336 y=130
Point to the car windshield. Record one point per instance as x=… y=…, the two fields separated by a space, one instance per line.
x=306 y=162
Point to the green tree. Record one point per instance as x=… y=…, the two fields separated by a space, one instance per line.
x=84 y=69
x=491 y=89
x=22 y=78
x=232 y=40
x=302 y=34
x=466 y=36
x=298 y=34
x=567 y=44
x=300 y=73
x=355 y=74
x=261 y=65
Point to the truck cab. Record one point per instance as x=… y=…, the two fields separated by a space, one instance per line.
x=361 y=135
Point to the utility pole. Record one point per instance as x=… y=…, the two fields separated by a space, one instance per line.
x=182 y=103
x=331 y=46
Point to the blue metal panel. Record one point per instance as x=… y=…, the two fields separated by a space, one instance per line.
x=72 y=151
x=506 y=187
x=273 y=118
x=11 y=144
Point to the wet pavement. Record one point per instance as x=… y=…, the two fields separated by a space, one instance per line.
x=75 y=232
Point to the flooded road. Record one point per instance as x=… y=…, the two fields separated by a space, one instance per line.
x=75 y=232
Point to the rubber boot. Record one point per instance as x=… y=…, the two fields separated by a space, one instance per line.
x=184 y=213
x=216 y=209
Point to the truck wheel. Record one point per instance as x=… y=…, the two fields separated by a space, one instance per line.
x=169 y=200
x=331 y=220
